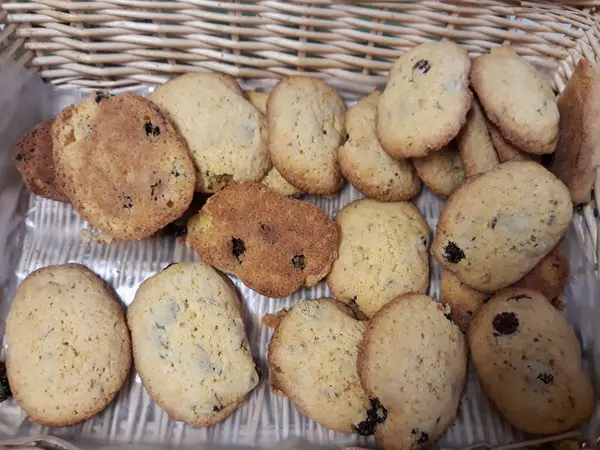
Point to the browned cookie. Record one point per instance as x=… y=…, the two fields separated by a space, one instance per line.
x=578 y=151
x=463 y=300
x=442 y=171
x=272 y=243
x=33 y=158
x=506 y=151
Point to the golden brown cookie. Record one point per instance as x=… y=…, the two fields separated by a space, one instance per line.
x=506 y=151
x=441 y=171
x=464 y=302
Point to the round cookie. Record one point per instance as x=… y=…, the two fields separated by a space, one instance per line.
x=413 y=361
x=305 y=119
x=122 y=165
x=312 y=360
x=69 y=351
x=426 y=100
x=497 y=227
x=366 y=165
x=474 y=143
x=505 y=150
x=463 y=301
x=529 y=362
x=383 y=253
x=225 y=133
x=517 y=100
x=32 y=156
x=441 y=171
x=189 y=343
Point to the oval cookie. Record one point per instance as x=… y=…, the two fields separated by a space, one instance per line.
x=464 y=302
x=529 y=362
x=189 y=343
x=69 y=351
x=497 y=227
x=426 y=100
x=505 y=150
x=366 y=165
x=441 y=171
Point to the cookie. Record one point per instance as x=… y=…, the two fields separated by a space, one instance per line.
x=305 y=120
x=413 y=361
x=497 y=227
x=32 y=156
x=69 y=351
x=366 y=165
x=383 y=253
x=272 y=243
x=312 y=360
x=122 y=165
x=528 y=359
x=464 y=302
x=426 y=100
x=189 y=343
x=477 y=153
x=577 y=154
x=517 y=100
x=225 y=133
x=505 y=150
x=441 y=171
x=259 y=100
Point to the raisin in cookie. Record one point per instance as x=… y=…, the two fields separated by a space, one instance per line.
x=366 y=165
x=505 y=150
x=305 y=119
x=426 y=100
x=517 y=100
x=189 y=343
x=413 y=361
x=272 y=243
x=529 y=362
x=69 y=351
x=578 y=151
x=122 y=165
x=463 y=301
x=225 y=133
x=441 y=171
x=312 y=360
x=497 y=227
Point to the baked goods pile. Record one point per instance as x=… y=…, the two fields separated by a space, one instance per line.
x=381 y=358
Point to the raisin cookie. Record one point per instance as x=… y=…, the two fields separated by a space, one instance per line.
x=517 y=100
x=312 y=360
x=463 y=301
x=189 y=343
x=441 y=171
x=520 y=212
x=305 y=120
x=505 y=150
x=578 y=152
x=426 y=100
x=366 y=165
x=272 y=243
x=33 y=159
x=225 y=133
x=122 y=165
x=413 y=361
x=383 y=253
x=475 y=145
x=69 y=351
x=529 y=362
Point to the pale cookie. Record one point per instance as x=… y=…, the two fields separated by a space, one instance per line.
x=305 y=118
x=189 y=343
x=69 y=351
x=441 y=171
x=366 y=165
x=32 y=156
x=122 y=165
x=413 y=361
x=578 y=151
x=475 y=145
x=259 y=100
x=528 y=359
x=225 y=133
x=426 y=100
x=497 y=227
x=272 y=243
x=463 y=301
x=312 y=360
x=517 y=99
x=383 y=253
x=505 y=150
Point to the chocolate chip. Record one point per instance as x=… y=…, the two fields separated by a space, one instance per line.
x=19 y=157
x=175 y=173
x=453 y=254
x=4 y=386
x=151 y=130
x=421 y=436
x=101 y=96
x=505 y=323
x=298 y=262
x=424 y=241
x=422 y=66
x=237 y=248
x=127 y=202
x=546 y=378
x=218 y=408
x=469 y=313
x=493 y=223
x=325 y=132
x=375 y=414
x=519 y=297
